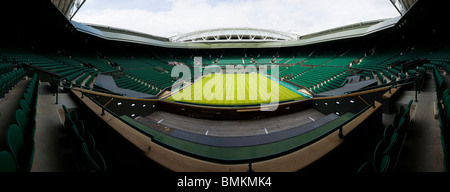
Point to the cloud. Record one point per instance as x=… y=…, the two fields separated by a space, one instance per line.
x=165 y=18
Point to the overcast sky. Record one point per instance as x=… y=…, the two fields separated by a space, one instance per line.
x=169 y=17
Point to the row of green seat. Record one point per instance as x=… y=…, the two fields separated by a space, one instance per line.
x=438 y=80
x=6 y=67
x=440 y=60
x=318 y=76
x=20 y=135
x=9 y=79
x=86 y=76
x=87 y=84
x=391 y=74
x=381 y=77
x=66 y=67
x=126 y=82
x=388 y=149
x=365 y=75
x=152 y=77
x=439 y=57
x=100 y=63
x=292 y=71
x=332 y=83
x=443 y=108
x=87 y=157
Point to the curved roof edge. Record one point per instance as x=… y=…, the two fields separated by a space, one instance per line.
x=339 y=33
x=234 y=35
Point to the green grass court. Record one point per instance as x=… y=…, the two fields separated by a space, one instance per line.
x=235 y=89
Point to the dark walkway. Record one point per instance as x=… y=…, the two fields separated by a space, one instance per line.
x=422 y=150
x=52 y=150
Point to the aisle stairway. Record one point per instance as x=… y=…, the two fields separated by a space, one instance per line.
x=422 y=150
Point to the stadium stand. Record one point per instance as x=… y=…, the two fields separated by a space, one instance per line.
x=386 y=153
x=19 y=136
x=86 y=153
x=9 y=79
x=400 y=58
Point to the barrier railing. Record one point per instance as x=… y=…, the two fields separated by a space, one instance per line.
x=338 y=128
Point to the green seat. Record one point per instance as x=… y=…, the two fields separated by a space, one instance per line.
x=396 y=119
x=1 y=88
x=387 y=133
x=378 y=153
x=408 y=108
x=24 y=106
x=29 y=90
x=21 y=120
x=81 y=129
x=447 y=114
x=31 y=122
x=27 y=98
x=91 y=163
x=100 y=161
x=74 y=116
x=391 y=148
x=76 y=137
x=65 y=109
x=90 y=142
x=68 y=122
x=14 y=141
x=446 y=92
x=401 y=110
x=402 y=126
x=385 y=163
x=366 y=167
x=7 y=162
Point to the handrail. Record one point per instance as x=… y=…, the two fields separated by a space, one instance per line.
x=252 y=160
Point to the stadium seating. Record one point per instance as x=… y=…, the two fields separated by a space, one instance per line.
x=23 y=154
x=293 y=71
x=320 y=79
x=6 y=67
x=443 y=109
x=439 y=81
x=388 y=148
x=20 y=134
x=86 y=155
x=10 y=79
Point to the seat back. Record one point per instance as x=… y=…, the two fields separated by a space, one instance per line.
x=385 y=162
x=21 y=119
x=378 y=154
x=391 y=149
x=388 y=131
x=7 y=162
x=24 y=106
x=100 y=161
x=14 y=140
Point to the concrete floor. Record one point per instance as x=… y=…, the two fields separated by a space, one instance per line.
x=52 y=150
x=422 y=150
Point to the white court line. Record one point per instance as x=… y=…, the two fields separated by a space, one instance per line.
x=160 y=121
x=312 y=119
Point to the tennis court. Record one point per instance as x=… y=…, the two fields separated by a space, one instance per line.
x=235 y=89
